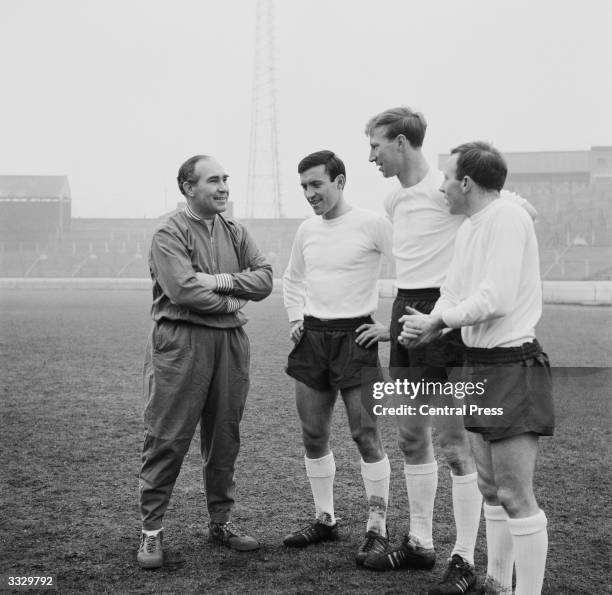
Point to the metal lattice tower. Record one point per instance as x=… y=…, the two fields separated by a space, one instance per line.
x=263 y=189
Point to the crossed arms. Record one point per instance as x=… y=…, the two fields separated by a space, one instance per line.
x=202 y=292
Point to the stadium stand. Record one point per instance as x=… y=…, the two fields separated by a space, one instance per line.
x=572 y=191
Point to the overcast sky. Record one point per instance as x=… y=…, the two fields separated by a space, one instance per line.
x=115 y=94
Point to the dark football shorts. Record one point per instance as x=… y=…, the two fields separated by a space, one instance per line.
x=327 y=357
x=429 y=362
x=517 y=391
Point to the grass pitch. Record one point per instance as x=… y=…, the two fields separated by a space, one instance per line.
x=71 y=434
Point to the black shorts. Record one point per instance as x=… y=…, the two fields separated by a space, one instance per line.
x=431 y=361
x=517 y=391
x=327 y=356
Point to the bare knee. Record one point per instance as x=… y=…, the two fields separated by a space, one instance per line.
x=316 y=443
x=488 y=489
x=415 y=444
x=516 y=501
x=369 y=444
x=456 y=450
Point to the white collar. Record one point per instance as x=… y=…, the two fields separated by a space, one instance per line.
x=189 y=212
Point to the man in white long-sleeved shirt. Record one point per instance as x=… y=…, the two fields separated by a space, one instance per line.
x=423 y=239
x=330 y=294
x=493 y=292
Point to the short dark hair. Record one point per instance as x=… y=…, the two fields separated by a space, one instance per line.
x=483 y=163
x=400 y=120
x=333 y=164
x=186 y=172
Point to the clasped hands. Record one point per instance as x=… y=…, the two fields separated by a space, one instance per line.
x=419 y=329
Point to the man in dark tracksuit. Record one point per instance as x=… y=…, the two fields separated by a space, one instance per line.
x=204 y=269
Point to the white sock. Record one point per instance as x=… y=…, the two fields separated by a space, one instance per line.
x=530 y=539
x=321 y=473
x=467 y=503
x=376 y=478
x=500 y=550
x=421 y=484
x=153 y=532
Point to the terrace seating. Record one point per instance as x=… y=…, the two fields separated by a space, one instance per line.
x=574 y=244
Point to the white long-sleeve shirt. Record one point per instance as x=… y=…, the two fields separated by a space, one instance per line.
x=493 y=288
x=424 y=231
x=334 y=265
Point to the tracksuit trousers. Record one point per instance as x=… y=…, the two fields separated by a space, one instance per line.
x=192 y=374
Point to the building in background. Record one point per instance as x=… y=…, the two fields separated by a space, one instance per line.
x=559 y=173
x=572 y=191
x=34 y=209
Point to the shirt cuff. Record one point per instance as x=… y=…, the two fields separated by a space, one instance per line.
x=453 y=317
x=225 y=283
x=295 y=313
x=232 y=305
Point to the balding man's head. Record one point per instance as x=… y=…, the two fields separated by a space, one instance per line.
x=187 y=172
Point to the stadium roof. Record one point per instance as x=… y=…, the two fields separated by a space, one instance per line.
x=548 y=162
x=552 y=162
x=26 y=187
